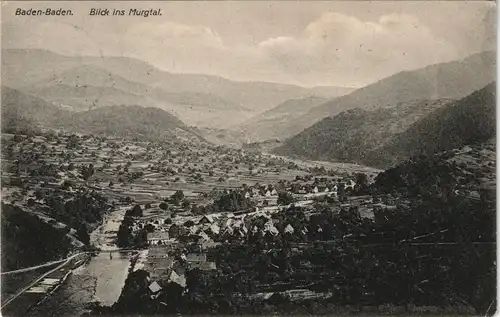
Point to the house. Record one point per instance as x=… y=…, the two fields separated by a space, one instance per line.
x=207 y=219
x=179 y=279
x=270 y=228
x=159 y=251
x=196 y=257
x=315 y=189
x=214 y=228
x=289 y=229
x=204 y=236
x=155 y=238
x=192 y=230
x=208 y=244
x=204 y=266
x=247 y=195
x=176 y=231
x=274 y=192
x=350 y=184
x=154 y=287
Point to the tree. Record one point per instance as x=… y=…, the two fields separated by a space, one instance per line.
x=361 y=187
x=232 y=201
x=73 y=142
x=149 y=228
x=87 y=171
x=177 y=197
x=124 y=236
x=341 y=191
x=285 y=198
x=82 y=233
x=141 y=239
x=135 y=212
x=135 y=293
x=163 y=206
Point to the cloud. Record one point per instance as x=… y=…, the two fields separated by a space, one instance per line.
x=354 y=43
x=169 y=33
x=342 y=44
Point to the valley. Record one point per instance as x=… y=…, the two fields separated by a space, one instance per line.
x=175 y=202
x=315 y=162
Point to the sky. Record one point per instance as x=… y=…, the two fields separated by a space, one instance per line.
x=307 y=43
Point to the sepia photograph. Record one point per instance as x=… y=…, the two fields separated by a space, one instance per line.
x=248 y=158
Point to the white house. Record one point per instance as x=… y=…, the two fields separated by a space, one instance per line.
x=289 y=229
x=215 y=228
x=154 y=287
x=178 y=279
x=270 y=228
x=350 y=184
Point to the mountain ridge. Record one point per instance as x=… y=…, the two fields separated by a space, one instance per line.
x=257 y=96
x=387 y=136
x=33 y=113
x=449 y=80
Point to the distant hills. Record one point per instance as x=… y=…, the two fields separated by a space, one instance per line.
x=386 y=136
x=127 y=121
x=380 y=124
x=25 y=112
x=277 y=123
x=451 y=80
x=85 y=82
x=21 y=112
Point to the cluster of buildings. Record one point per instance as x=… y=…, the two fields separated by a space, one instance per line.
x=168 y=264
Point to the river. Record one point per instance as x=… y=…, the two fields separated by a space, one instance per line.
x=101 y=279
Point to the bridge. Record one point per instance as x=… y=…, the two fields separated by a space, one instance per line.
x=31 y=268
x=59 y=264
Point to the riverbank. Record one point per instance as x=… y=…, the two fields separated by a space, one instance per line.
x=99 y=280
x=104 y=236
x=42 y=288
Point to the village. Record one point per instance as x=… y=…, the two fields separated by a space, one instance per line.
x=172 y=182
x=205 y=224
